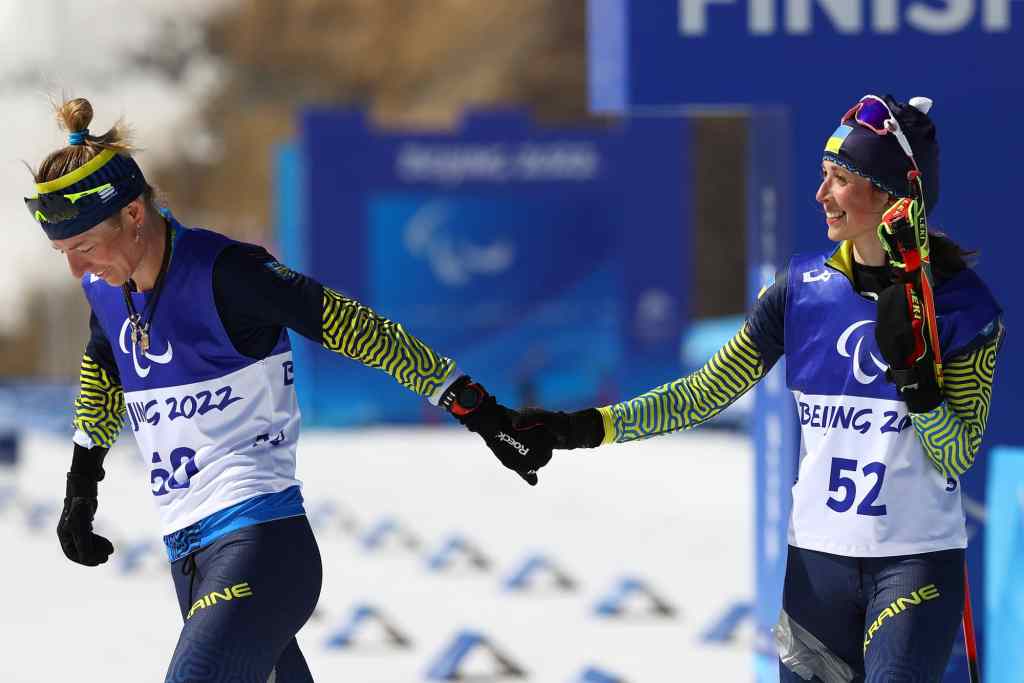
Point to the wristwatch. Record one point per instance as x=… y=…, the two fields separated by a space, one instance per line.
x=463 y=396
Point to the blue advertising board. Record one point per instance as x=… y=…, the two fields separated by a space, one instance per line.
x=549 y=263
x=815 y=58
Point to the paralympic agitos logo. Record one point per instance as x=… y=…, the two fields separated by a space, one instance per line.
x=843 y=348
x=135 y=352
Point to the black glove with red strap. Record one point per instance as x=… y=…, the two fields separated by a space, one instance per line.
x=74 y=529
x=901 y=338
x=522 y=447
x=582 y=429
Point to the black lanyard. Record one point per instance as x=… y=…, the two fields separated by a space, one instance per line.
x=140 y=329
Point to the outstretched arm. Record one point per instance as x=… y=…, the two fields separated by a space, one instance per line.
x=688 y=401
x=355 y=331
x=681 y=404
x=257 y=296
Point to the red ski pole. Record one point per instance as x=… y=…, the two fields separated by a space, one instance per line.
x=970 y=641
x=907 y=220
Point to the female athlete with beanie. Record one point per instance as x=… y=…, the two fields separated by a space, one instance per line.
x=874 y=586
x=189 y=341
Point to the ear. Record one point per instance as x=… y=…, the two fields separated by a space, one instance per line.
x=883 y=200
x=134 y=213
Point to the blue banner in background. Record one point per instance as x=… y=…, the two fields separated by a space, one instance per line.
x=666 y=53
x=548 y=263
x=498 y=273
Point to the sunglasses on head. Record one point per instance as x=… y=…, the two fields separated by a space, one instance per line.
x=55 y=207
x=874 y=114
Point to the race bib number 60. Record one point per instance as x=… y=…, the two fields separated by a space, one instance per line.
x=182 y=468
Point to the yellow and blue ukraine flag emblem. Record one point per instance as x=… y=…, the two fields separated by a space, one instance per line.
x=836 y=141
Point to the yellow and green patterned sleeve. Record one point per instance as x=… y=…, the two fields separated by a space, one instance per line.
x=951 y=433
x=99 y=408
x=688 y=401
x=356 y=332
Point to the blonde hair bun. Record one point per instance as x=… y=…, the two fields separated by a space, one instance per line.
x=75 y=115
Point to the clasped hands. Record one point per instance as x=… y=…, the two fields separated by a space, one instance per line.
x=522 y=441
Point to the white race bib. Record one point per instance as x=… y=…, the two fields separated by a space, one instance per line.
x=212 y=444
x=865 y=487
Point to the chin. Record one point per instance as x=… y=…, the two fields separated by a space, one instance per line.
x=835 y=234
x=114 y=280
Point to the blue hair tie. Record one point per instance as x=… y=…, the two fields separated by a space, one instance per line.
x=78 y=138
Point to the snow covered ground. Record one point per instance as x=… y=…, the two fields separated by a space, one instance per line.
x=673 y=511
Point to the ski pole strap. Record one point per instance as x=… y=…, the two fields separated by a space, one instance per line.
x=900 y=236
x=906 y=379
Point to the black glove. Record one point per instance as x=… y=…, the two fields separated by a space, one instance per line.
x=582 y=429
x=522 y=449
x=74 y=529
x=902 y=339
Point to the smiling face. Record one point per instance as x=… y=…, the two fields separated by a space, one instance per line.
x=108 y=250
x=853 y=206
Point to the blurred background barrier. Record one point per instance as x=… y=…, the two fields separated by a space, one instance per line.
x=364 y=617
x=467 y=645
x=536 y=570
x=1004 y=566
x=27 y=405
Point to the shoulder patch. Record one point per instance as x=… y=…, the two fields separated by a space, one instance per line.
x=281 y=270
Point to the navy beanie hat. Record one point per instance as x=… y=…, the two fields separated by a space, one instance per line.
x=880 y=159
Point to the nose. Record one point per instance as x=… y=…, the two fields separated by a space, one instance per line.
x=822 y=191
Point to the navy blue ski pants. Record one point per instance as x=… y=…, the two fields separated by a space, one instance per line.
x=243 y=598
x=892 y=619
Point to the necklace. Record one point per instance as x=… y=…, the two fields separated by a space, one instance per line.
x=140 y=329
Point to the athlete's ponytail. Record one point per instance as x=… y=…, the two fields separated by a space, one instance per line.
x=74 y=116
x=948 y=257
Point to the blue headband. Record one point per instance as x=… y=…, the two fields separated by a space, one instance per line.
x=118 y=170
x=78 y=138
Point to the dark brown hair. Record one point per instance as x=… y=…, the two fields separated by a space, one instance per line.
x=948 y=257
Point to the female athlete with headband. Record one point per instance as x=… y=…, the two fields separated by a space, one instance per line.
x=189 y=341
